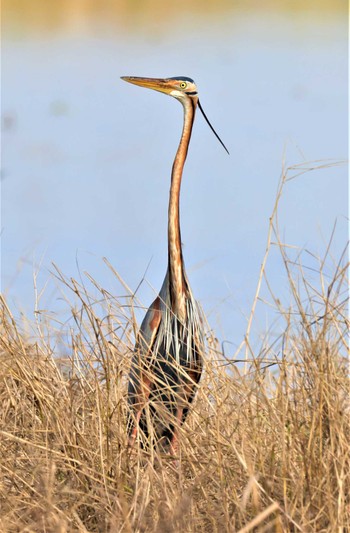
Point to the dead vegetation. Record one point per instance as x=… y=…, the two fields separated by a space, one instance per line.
x=265 y=448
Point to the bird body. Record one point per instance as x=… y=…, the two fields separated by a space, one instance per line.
x=168 y=356
x=166 y=366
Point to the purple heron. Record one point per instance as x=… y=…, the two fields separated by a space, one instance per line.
x=168 y=356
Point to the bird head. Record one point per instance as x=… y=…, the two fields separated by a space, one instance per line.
x=180 y=87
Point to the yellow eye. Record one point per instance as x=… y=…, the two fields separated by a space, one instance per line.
x=183 y=85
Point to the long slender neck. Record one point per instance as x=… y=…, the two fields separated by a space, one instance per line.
x=176 y=267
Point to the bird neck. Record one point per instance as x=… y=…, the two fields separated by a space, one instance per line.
x=178 y=289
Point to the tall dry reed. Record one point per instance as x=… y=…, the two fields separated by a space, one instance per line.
x=265 y=448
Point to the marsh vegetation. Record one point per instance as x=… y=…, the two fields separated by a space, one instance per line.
x=265 y=447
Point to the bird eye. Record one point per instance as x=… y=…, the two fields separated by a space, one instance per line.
x=183 y=85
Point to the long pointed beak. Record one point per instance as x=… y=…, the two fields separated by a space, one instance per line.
x=158 y=84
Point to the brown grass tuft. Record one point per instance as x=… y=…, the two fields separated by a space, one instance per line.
x=265 y=448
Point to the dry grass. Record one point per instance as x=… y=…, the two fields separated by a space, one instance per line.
x=266 y=447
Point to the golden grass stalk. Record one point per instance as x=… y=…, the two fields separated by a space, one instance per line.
x=265 y=448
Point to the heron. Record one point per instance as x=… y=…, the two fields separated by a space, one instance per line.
x=168 y=356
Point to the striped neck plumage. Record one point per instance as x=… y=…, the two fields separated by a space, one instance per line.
x=177 y=281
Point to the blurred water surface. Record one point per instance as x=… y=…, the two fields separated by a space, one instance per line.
x=87 y=158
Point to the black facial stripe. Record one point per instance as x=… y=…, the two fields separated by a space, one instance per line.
x=191 y=93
